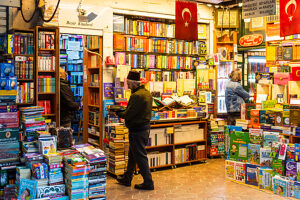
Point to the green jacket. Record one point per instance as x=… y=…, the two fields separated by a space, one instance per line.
x=139 y=109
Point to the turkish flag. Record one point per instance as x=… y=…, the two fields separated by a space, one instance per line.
x=186 y=27
x=289 y=17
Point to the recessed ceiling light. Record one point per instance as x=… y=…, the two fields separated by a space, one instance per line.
x=240 y=4
x=217 y=6
x=209 y=5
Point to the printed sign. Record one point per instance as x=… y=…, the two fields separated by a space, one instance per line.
x=251 y=40
x=258 y=8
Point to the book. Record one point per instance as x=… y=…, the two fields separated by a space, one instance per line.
x=280 y=186
x=265 y=178
x=240 y=172
x=278 y=167
x=297 y=189
x=254 y=154
x=265 y=159
x=27 y=189
x=290 y=153
x=229 y=169
x=291 y=170
x=252 y=172
x=256 y=136
x=269 y=138
x=239 y=146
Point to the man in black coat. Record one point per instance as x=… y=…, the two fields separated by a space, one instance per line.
x=68 y=106
x=137 y=119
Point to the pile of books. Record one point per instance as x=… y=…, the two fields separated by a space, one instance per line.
x=55 y=164
x=118 y=154
x=97 y=173
x=76 y=178
x=9 y=123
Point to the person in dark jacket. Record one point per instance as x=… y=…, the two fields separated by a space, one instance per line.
x=235 y=95
x=137 y=119
x=68 y=106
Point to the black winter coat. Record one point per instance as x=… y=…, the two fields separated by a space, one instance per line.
x=67 y=102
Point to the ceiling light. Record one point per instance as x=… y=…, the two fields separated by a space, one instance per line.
x=217 y=6
x=240 y=4
x=209 y=5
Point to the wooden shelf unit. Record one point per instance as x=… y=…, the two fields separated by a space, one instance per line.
x=54 y=97
x=171 y=147
x=20 y=81
x=88 y=106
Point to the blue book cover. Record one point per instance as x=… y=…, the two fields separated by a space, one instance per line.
x=280 y=186
x=297 y=152
x=252 y=172
x=27 y=189
x=297 y=189
x=269 y=138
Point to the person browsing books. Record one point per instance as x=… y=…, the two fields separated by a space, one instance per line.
x=137 y=119
x=235 y=95
x=68 y=106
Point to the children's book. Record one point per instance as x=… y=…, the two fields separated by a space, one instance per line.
x=275 y=150
x=240 y=172
x=239 y=146
x=297 y=152
x=291 y=189
x=278 y=167
x=269 y=138
x=280 y=186
x=254 y=154
x=297 y=190
x=256 y=136
x=291 y=170
x=298 y=171
x=252 y=172
x=290 y=152
x=229 y=169
x=27 y=190
x=265 y=178
x=282 y=151
x=265 y=159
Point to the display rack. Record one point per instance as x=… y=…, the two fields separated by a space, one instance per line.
x=48 y=90
x=226 y=46
x=93 y=90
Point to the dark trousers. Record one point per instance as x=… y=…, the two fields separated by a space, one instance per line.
x=138 y=155
x=232 y=116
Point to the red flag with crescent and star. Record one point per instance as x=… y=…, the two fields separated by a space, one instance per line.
x=186 y=27
x=289 y=17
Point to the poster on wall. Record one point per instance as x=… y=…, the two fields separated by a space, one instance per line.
x=258 y=8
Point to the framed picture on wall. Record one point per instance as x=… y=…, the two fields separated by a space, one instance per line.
x=257 y=24
x=227 y=19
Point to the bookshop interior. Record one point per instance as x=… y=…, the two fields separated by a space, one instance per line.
x=152 y=99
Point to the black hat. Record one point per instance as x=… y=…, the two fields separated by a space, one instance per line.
x=133 y=75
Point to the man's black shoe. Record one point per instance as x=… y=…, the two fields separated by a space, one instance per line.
x=144 y=186
x=124 y=181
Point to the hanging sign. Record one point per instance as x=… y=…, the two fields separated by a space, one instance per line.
x=258 y=8
x=251 y=40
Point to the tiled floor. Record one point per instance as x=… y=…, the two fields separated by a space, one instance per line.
x=200 y=181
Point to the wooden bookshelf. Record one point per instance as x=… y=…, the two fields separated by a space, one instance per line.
x=25 y=37
x=90 y=90
x=54 y=97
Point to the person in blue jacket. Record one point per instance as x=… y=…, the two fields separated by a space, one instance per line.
x=235 y=95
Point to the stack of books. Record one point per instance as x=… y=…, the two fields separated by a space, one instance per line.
x=32 y=158
x=32 y=119
x=97 y=174
x=76 y=178
x=118 y=154
x=9 y=123
x=55 y=165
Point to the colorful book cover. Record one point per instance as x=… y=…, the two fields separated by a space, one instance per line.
x=297 y=152
x=291 y=189
x=291 y=170
x=151 y=61
x=278 y=167
x=240 y=172
x=120 y=58
x=49 y=191
x=280 y=186
x=282 y=151
x=252 y=173
x=297 y=190
x=269 y=138
x=290 y=153
x=256 y=136
x=265 y=159
x=275 y=150
x=298 y=171
x=254 y=154
x=108 y=90
x=265 y=178
x=27 y=190
x=239 y=146
x=229 y=169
